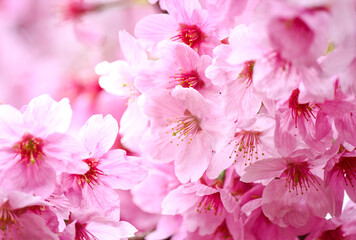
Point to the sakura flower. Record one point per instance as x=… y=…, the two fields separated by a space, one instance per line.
x=18 y=217
x=296 y=193
x=179 y=65
x=237 y=77
x=108 y=170
x=89 y=224
x=204 y=208
x=294 y=29
x=34 y=148
x=249 y=141
x=275 y=75
x=186 y=23
x=183 y=127
x=298 y=124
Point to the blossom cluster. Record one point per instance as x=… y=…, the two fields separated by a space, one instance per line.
x=57 y=186
x=246 y=113
x=240 y=124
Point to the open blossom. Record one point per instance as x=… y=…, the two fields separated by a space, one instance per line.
x=237 y=77
x=204 y=208
x=186 y=23
x=34 y=146
x=179 y=65
x=183 y=128
x=301 y=124
x=248 y=142
x=108 y=170
x=295 y=191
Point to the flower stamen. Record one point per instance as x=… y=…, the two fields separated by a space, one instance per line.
x=347 y=169
x=91 y=177
x=211 y=202
x=299 y=178
x=190 y=35
x=185 y=126
x=187 y=80
x=246 y=142
x=298 y=110
x=30 y=149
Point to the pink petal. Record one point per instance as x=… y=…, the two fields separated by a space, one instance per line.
x=19 y=200
x=177 y=202
x=166 y=227
x=38 y=179
x=265 y=169
x=157 y=27
x=44 y=116
x=121 y=171
x=103 y=199
x=63 y=154
x=34 y=228
x=150 y=193
x=193 y=159
x=283 y=207
x=220 y=161
x=131 y=49
x=121 y=230
x=181 y=10
x=98 y=135
x=11 y=125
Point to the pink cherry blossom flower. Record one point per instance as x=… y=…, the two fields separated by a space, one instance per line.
x=248 y=142
x=34 y=148
x=186 y=23
x=108 y=170
x=179 y=65
x=237 y=77
x=204 y=208
x=183 y=128
x=296 y=192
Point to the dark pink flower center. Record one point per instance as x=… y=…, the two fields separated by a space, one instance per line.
x=30 y=148
x=347 y=169
x=299 y=178
x=190 y=35
x=185 y=126
x=247 y=72
x=222 y=232
x=211 y=202
x=187 y=79
x=336 y=234
x=91 y=177
x=246 y=143
x=298 y=110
